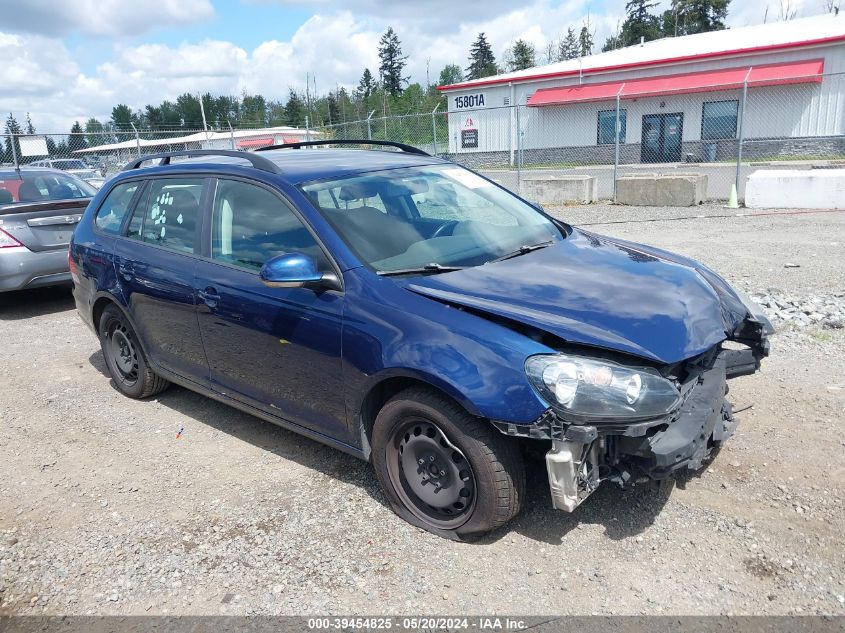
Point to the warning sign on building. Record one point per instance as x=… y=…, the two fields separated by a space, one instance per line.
x=469 y=134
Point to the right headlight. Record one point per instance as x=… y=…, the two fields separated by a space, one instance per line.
x=587 y=389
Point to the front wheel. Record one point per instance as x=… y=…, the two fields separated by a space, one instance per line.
x=124 y=357
x=444 y=470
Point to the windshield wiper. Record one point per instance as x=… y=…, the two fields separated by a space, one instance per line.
x=522 y=250
x=428 y=268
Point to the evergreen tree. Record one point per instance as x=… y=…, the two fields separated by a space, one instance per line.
x=253 y=111
x=568 y=47
x=76 y=139
x=188 y=109
x=613 y=41
x=121 y=120
x=585 y=42
x=640 y=23
x=482 y=63
x=332 y=109
x=30 y=129
x=522 y=55
x=295 y=109
x=451 y=74
x=392 y=62
x=686 y=17
x=12 y=127
x=94 y=132
x=366 y=86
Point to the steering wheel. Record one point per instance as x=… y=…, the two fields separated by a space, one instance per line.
x=441 y=230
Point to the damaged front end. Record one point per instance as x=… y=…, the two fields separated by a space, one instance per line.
x=592 y=441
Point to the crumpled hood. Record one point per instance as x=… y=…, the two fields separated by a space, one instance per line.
x=593 y=290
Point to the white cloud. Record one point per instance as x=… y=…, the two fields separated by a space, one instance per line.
x=100 y=17
x=39 y=75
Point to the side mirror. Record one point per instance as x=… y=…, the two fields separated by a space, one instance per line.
x=295 y=270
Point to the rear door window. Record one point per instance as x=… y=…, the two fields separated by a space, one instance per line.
x=169 y=215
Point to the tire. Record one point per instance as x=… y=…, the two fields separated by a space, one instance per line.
x=444 y=470
x=126 y=362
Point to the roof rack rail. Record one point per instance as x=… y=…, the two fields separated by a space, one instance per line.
x=408 y=149
x=259 y=162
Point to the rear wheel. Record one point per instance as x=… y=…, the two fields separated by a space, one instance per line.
x=444 y=470
x=124 y=357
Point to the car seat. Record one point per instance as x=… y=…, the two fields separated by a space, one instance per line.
x=29 y=192
x=372 y=233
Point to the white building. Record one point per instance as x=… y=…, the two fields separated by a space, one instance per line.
x=679 y=99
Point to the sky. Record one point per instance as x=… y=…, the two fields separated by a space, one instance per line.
x=67 y=60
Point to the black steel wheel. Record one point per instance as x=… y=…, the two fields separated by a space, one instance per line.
x=124 y=357
x=121 y=353
x=431 y=475
x=442 y=469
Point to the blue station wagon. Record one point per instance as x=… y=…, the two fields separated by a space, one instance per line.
x=415 y=314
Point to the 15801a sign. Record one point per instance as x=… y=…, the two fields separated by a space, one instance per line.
x=470 y=101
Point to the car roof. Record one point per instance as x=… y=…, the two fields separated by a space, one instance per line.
x=302 y=165
x=6 y=174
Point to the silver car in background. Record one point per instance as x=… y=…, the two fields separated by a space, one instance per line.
x=74 y=166
x=39 y=209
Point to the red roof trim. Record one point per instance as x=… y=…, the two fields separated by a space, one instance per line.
x=807 y=71
x=255 y=142
x=654 y=62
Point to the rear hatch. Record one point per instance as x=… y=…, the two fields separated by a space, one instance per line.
x=43 y=226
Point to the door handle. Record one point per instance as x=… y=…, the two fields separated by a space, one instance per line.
x=126 y=271
x=209 y=296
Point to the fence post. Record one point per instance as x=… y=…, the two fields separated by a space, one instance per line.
x=370 y=126
x=434 y=126
x=14 y=154
x=137 y=138
x=231 y=133
x=518 y=151
x=739 y=130
x=616 y=141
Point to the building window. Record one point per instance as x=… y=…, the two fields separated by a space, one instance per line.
x=718 y=119
x=607 y=127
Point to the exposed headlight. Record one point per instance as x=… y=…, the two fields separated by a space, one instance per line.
x=587 y=389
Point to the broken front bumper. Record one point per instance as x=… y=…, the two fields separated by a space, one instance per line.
x=583 y=456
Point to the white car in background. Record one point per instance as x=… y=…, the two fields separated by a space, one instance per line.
x=74 y=166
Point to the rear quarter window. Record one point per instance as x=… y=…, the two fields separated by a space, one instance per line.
x=110 y=215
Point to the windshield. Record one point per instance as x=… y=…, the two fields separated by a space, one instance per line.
x=69 y=163
x=41 y=187
x=433 y=217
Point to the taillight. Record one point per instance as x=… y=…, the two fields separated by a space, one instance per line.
x=7 y=241
x=72 y=266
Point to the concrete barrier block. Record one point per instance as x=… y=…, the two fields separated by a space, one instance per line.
x=662 y=190
x=796 y=189
x=560 y=189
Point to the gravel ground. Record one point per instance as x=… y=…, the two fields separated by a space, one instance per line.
x=104 y=510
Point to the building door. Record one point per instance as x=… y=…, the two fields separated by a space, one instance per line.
x=662 y=135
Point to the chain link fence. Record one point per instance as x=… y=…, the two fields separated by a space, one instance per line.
x=99 y=155
x=723 y=132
